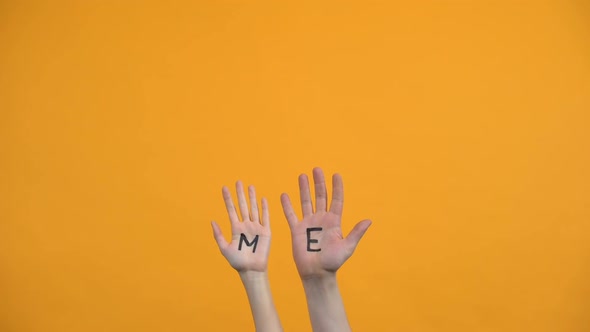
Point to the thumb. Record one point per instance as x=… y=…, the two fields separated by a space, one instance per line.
x=357 y=233
x=221 y=242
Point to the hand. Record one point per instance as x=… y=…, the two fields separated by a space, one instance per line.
x=248 y=254
x=318 y=245
x=250 y=243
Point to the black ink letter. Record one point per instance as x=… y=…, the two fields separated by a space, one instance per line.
x=243 y=238
x=310 y=241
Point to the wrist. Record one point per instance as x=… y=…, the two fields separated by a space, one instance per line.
x=318 y=277
x=319 y=282
x=255 y=282
x=253 y=276
x=259 y=294
x=324 y=303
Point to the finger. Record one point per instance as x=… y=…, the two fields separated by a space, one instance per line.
x=242 y=201
x=265 y=213
x=229 y=205
x=357 y=233
x=221 y=242
x=321 y=195
x=305 y=195
x=337 y=195
x=288 y=210
x=253 y=204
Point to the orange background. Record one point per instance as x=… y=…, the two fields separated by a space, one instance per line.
x=461 y=129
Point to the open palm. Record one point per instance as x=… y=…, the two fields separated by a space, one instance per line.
x=318 y=244
x=250 y=243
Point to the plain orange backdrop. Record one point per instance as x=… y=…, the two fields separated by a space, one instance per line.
x=461 y=128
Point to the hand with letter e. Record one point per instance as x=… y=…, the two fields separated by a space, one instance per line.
x=320 y=249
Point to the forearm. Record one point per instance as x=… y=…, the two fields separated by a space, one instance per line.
x=263 y=309
x=326 y=309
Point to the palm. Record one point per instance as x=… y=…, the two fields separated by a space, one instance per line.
x=334 y=251
x=331 y=249
x=247 y=259
x=250 y=244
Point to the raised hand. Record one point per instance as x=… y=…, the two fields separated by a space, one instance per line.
x=319 y=250
x=250 y=243
x=248 y=254
x=319 y=247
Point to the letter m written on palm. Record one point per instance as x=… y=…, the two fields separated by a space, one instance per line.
x=244 y=239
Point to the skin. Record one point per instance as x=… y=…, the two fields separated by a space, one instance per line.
x=251 y=266
x=317 y=269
